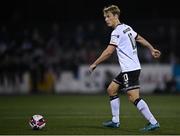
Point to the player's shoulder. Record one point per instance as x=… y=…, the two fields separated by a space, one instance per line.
x=125 y=26
x=120 y=27
x=117 y=29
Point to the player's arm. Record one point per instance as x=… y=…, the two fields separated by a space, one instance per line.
x=104 y=56
x=155 y=53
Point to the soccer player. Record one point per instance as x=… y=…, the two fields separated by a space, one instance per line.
x=123 y=40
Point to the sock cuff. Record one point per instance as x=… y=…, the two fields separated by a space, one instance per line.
x=113 y=97
x=137 y=101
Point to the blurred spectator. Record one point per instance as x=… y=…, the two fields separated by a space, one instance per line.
x=62 y=46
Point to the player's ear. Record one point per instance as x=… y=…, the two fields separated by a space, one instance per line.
x=116 y=16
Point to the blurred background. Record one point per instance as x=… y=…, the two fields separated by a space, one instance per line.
x=47 y=46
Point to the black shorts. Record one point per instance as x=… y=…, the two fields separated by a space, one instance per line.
x=128 y=80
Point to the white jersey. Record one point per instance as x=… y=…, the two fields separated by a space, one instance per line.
x=123 y=37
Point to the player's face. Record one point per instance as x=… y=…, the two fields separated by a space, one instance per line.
x=110 y=19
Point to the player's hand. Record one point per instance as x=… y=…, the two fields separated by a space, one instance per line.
x=156 y=53
x=92 y=68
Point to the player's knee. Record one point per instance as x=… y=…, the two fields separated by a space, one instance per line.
x=111 y=91
x=132 y=98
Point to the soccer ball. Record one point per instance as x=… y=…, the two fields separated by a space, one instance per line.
x=37 y=122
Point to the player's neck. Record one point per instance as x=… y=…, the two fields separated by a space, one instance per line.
x=116 y=23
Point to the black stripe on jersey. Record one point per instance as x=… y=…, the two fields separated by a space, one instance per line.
x=114 y=80
x=113 y=45
x=136 y=36
x=125 y=54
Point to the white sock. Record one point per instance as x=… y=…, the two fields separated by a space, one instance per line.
x=144 y=109
x=115 y=103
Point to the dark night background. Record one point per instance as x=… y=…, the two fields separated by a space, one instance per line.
x=36 y=36
x=146 y=17
x=29 y=10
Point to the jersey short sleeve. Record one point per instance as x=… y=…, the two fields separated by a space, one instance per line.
x=115 y=37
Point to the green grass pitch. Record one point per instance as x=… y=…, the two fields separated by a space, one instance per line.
x=84 y=114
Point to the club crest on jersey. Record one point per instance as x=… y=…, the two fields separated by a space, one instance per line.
x=115 y=36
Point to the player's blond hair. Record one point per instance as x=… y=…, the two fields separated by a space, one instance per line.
x=113 y=9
